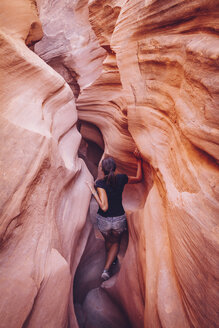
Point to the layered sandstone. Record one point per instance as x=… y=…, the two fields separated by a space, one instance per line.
x=69 y=44
x=166 y=55
x=143 y=73
x=42 y=179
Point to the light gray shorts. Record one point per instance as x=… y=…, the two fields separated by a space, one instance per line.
x=116 y=223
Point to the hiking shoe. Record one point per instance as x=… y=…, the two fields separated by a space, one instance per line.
x=115 y=261
x=105 y=275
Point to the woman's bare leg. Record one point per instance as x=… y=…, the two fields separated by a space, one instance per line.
x=108 y=245
x=111 y=255
x=112 y=244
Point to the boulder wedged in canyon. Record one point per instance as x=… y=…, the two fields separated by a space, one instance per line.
x=148 y=78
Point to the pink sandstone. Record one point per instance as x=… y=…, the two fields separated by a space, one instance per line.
x=42 y=180
x=143 y=73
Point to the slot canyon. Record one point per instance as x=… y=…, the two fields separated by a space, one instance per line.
x=81 y=80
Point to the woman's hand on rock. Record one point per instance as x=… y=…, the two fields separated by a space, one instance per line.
x=91 y=186
x=137 y=153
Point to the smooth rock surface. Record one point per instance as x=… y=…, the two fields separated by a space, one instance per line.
x=98 y=316
x=43 y=196
x=144 y=73
x=166 y=55
x=69 y=44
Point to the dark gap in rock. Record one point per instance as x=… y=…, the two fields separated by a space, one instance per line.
x=60 y=65
x=108 y=49
x=91 y=147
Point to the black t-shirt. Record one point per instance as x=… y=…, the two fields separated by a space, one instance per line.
x=114 y=195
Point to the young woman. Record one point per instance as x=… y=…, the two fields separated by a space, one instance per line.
x=111 y=219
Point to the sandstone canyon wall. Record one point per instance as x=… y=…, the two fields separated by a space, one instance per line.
x=166 y=54
x=139 y=73
x=42 y=179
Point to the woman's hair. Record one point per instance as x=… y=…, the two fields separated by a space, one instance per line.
x=109 y=167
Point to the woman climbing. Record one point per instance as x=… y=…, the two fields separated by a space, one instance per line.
x=111 y=219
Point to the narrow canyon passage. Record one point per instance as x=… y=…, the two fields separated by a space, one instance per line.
x=81 y=80
x=93 y=305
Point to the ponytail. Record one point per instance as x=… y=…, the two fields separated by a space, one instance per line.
x=109 y=167
x=111 y=178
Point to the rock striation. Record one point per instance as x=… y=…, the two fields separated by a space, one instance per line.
x=69 y=44
x=127 y=73
x=42 y=180
x=166 y=55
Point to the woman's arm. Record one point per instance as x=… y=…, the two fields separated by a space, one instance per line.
x=100 y=196
x=138 y=177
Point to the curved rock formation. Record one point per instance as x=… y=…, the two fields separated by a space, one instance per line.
x=148 y=78
x=69 y=44
x=167 y=54
x=44 y=199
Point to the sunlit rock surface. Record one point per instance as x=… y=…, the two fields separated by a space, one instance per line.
x=166 y=54
x=69 y=44
x=143 y=73
x=43 y=196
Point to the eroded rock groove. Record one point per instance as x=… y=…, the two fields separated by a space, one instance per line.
x=145 y=74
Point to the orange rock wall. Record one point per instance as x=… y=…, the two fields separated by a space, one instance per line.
x=144 y=73
x=69 y=44
x=42 y=179
x=164 y=57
